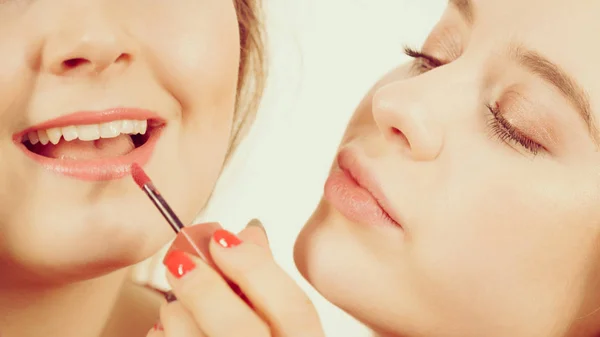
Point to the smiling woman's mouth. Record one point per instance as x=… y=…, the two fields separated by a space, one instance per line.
x=76 y=147
x=85 y=142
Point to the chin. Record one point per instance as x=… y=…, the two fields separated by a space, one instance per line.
x=337 y=264
x=347 y=264
x=68 y=240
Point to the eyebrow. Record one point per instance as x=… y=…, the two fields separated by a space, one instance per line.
x=546 y=70
x=553 y=74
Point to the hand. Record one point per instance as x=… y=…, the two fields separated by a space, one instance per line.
x=206 y=305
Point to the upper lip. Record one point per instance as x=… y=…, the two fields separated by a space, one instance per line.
x=349 y=161
x=94 y=117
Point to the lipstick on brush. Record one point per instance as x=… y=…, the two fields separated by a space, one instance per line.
x=190 y=239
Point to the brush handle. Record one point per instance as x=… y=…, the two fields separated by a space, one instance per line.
x=163 y=207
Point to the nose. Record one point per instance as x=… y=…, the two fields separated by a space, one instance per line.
x=85 y=46
x=406 y=119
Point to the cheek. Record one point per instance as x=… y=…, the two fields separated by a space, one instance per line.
x=195 y=50
x=16 y=83
x=496 y=240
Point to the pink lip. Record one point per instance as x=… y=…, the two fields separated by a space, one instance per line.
x=353 y=191
x=99 y=169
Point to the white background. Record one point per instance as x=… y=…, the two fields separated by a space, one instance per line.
x=324 y=56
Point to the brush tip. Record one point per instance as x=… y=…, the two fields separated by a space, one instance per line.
x=139 y=176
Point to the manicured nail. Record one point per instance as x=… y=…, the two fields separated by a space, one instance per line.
x=255 y=223
x=158 y=327
x=226 y=239
x=258 y=223
x=179 y=263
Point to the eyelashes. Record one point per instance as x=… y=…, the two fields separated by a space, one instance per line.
x=507 y=133
x=423 y=62
x=500 y=128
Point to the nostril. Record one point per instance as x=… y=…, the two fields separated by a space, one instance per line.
x=399 y=136
x=93 y=65
x=74 y=63
x=125 y=58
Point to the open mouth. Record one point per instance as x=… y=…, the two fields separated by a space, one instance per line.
x=88 y=145
x=89 y=142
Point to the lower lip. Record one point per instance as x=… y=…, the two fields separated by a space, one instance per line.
x=353 y=201
x=100 y=169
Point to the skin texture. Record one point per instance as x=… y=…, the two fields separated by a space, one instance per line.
x=180 y=59
x=495 y=240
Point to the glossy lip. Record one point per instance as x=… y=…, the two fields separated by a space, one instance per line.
x=97 y=169
x=349 y=162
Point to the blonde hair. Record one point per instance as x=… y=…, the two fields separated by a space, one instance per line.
x=252 y=68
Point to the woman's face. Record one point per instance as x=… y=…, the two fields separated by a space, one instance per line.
x=465 y=197
x=75 y=75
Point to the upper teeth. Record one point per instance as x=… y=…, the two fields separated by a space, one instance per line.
x=88 y=132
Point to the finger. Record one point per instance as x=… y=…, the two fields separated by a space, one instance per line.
x=178 y=322
x=255 y=233
x=271 y=291
x=216 y=309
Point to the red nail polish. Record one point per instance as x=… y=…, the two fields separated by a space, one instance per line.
x=226 y=239
x=179 y=263
x=195 y=240
x=158 y=327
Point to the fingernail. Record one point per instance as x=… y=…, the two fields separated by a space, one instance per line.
x=226 y=239
x=170 y=297
x=158 y=327
x=178 y=263
x=255 y=223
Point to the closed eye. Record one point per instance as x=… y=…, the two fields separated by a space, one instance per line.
x=425 y=61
